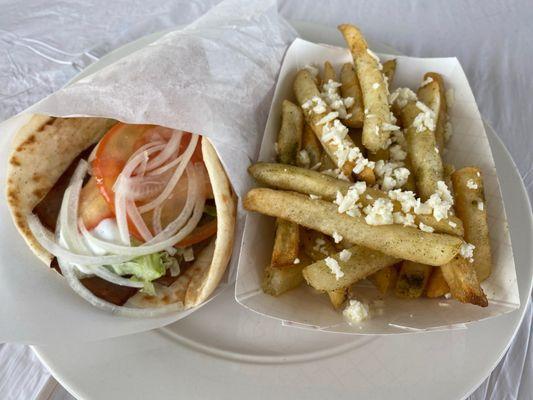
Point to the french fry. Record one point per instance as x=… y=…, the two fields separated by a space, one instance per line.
x=311 y=146
x=437 y=285
x=384 y=279
x=394 y=240
x=338 y=297
x=350 y=88
x=471 y=208
x=290 y=133
x=463 y=282
x=277 y=281
x=356 y=136
x=304 y=181
x=433 y=94
x=305 y=89
x=329 y=73
x=287 y=237
x=373 y=88
x=360 y=265
x=421 y=147
x=412 y=280
x=286 y=243
x=389 y=69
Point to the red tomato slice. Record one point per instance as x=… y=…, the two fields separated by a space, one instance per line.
x=92 y=207
x=114 y=150
x=199 y=234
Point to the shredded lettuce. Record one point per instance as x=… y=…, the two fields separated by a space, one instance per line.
x=147 y=268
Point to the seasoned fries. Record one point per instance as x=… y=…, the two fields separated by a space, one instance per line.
x=300 y=180
x=286 y=244
x=389 y=68
x=312 y=151
x=422 y=150
x=360 y=190
x=277 y=281
x=350 y=88
x=432 y=94
x=412 y=280
x=306 y=93
x=290 y=133
x=384 y=279
x=471 y=208
x=395 y=240
x=373 y=88
x=362 y=263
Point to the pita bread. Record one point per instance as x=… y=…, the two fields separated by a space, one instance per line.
x=42 y=150
x=45 y=147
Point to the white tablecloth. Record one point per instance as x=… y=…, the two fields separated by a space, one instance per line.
x=43 y=43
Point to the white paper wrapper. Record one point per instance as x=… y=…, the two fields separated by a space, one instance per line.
x=303 y=307
x=215 y=78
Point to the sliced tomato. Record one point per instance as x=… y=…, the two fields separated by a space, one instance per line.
x=199 y=234
x=114 y=150
x=93 y=208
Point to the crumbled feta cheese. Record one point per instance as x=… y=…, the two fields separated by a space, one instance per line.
x=334 y=267
x=355 y=312
x=336 y=237
x=334 y=133
x=314 y=196
x=328 y=118
x=368 y=197
x=330 y=94
x=437 y=150
x=467 y=251
x=448 y=296
x=422 y=208
x=348 y=102
x=375 y=85
x=402 y=96
x=404 y=219
x=470 y=184
x=480 y=206
x=390 y=175
x=478 y=174
x=450 y=97
x=379 y=213
x=397 y=153
x=452 y=224
x=425 y=228
x=188 y=254
x=407 y=199
x=350 y=200
x=296 y=261
x=320 y=246
x=345 y=255
x=316 y=166
x=425 y=119
x=429 y=79
x=389 y=127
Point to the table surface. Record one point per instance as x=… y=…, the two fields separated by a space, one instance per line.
x=44 y=43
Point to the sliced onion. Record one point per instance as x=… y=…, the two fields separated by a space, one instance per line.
x=187 y=154
x=137 y=220
x=171 y=147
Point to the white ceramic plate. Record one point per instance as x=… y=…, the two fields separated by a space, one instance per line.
x=224 y=351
